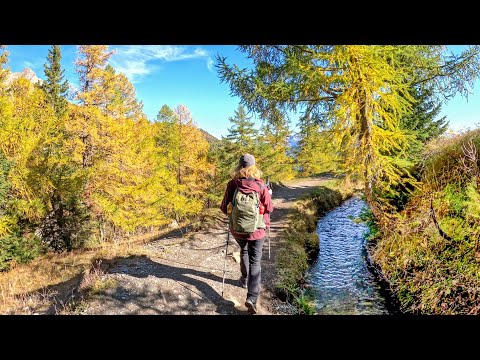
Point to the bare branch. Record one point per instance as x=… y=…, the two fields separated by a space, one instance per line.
x=440 y=231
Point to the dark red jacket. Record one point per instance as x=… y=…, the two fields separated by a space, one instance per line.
x=248 y=186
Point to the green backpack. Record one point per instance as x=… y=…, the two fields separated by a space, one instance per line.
x=245 y=217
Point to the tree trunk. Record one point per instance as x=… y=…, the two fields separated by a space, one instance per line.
x=366 y=141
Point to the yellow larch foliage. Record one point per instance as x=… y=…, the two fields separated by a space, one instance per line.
x=27 y=129
x=3 y=70
x=91 y=66
x=182 y=152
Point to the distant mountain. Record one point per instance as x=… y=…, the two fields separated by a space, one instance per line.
x=26 y=73
x=293 y=140
x=210 y=138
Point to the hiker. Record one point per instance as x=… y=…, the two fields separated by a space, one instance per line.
x=248 y=204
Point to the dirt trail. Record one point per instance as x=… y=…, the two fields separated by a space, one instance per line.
x=183 y=275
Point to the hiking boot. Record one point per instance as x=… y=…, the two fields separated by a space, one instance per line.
x=243 y=282
x=252 y=308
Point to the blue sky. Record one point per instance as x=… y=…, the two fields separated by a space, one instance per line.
x=184 y=74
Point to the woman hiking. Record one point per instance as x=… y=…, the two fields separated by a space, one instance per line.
x=248 y=204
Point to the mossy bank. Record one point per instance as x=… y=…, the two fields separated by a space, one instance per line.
x=430 y=254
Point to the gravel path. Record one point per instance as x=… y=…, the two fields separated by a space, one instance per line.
x=183 y=275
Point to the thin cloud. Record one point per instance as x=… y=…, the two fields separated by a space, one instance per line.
x=210 y=64
x=137 y=61
x=33 y=65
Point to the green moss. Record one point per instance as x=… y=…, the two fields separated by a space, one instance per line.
x=373 y=231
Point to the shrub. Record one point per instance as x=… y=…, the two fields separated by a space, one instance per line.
x=15 y=249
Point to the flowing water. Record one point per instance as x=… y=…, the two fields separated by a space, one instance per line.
x=340 y=280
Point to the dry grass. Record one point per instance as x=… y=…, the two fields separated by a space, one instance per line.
x=26 y=287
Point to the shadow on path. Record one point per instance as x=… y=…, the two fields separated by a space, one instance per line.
x=166 y=300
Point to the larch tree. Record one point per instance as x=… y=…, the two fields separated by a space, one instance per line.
x=316 y=150
x=100 y=135
x=4 y=71
x=90 y=67
x=118 y=149
x=168 y=144
x=120 y=99
x=193 y=164
x=87 y=121
x=27 y=130
x=358 y=92
x=184 y=150
x=91 y=64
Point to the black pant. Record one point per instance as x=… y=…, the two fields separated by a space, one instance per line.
x=250 y=265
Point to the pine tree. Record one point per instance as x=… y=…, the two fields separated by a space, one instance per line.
x=54 y=86
x=273 y=158
x=422 y=123
x=62 y=220
x=242 y=133
x=241 y=138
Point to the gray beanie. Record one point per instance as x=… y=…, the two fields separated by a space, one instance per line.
x=246 y=160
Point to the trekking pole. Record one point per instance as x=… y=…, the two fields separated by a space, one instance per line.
x=268 y=187
x=269 y=236
x=225 y=262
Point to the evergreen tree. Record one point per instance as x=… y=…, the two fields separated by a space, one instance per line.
x=423 y=122
x=241 y=139
x=273 y=158
x=242 y=133
x=54 y=86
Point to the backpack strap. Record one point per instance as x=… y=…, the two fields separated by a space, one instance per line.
x=234 y=195
x=261 y=186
